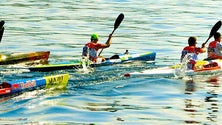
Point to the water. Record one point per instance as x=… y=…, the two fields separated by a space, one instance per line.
x=105 y=96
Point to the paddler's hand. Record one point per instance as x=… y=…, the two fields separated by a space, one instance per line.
x=108 y=42
x=110 y=35
x=203 y=45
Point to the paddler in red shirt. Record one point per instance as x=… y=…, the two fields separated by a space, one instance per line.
x=91 y=48
x=215 y=47
x=193 y=51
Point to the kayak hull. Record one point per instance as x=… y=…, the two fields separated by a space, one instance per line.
x=147 y=56
x=12 y=87
x=53 y=67
x=202 y=68
x=24 y=57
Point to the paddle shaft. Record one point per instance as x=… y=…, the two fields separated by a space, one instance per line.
x=1 y=29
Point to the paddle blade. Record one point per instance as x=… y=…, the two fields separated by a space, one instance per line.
x=2 y=23
x=214 y=29
x=1 y=33
x=119 y=19
x=1 y=29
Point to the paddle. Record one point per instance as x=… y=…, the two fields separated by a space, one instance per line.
x=1 y=29
x=119 y=19
x=214 y=29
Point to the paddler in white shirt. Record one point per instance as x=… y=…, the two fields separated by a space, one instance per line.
x=193 y=51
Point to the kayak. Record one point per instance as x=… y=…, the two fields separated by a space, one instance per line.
x=15 y=58
x=116 y=59
x=54 y=81
x=75 y=64
x=202 y=67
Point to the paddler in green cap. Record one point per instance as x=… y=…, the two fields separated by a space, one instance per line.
x=91 y=48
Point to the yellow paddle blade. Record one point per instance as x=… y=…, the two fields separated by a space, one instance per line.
x=175 y=66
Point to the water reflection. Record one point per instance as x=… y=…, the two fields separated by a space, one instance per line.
x=190 y=86
x=190 y=106
x=212 y=99
x=195 y=107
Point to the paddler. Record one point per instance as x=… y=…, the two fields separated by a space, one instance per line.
x=215 y=47
x=91 y=48
x=193 y=51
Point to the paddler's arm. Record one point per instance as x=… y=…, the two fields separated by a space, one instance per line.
x=106 y=45
x=108 y=42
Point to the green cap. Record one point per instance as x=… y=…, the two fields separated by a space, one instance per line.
x=94 y=36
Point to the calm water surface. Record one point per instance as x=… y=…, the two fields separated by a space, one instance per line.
x=105 y=96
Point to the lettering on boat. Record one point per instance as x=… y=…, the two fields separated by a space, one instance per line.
x=28 y=84
x=55 y=80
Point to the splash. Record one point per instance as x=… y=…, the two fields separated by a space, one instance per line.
x=180 y=71
x=85 y=66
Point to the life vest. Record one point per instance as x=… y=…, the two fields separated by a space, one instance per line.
x=192 y=50
x=90 y=50
x=211 y=51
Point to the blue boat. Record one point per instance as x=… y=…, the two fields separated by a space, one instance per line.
x=53 y=81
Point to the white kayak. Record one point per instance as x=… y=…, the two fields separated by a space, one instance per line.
x=203 y=67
